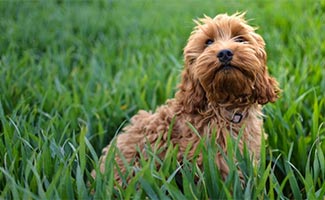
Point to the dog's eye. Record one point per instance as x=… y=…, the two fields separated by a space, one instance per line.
x=208 y=42
x=240 y=39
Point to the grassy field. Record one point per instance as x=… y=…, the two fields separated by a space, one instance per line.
x=72 y=73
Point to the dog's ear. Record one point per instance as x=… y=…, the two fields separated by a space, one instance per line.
x=266 y=88
x=191 y=94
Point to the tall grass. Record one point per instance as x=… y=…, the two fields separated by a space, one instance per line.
x=73 y=73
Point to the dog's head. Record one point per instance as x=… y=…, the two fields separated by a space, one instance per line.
x=226 y=59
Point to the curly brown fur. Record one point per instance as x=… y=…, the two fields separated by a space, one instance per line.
x=211 y=93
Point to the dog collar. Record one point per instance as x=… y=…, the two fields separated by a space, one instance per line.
x=236 y=116
x=233 y=115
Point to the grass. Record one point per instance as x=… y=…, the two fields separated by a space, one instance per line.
x=72 y=73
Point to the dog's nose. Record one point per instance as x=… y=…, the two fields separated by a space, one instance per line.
x=225 y=55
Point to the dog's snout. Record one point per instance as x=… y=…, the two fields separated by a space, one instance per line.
x=225 y=55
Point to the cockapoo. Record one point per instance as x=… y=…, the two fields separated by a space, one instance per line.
x=223 y=85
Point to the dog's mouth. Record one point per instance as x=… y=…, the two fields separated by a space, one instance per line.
x=227 y=68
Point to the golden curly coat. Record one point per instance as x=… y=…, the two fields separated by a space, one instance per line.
x=224 y=83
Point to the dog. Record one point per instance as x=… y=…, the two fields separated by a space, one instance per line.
x=224 y=83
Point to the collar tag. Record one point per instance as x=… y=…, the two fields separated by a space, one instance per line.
x=237 y=118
